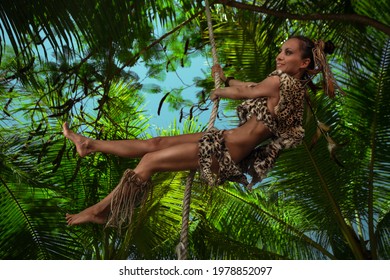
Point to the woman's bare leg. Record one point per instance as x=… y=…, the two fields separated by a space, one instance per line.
x=97 y=213
x=179 y=157
x=126 y=148
x=176 y=158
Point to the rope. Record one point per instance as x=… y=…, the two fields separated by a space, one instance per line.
x=217 y=81
x=182 y=247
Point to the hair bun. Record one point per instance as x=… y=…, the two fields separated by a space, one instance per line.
x=329 y=47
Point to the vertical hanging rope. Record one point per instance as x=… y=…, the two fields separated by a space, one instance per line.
x=217 y=81
x=182 y=247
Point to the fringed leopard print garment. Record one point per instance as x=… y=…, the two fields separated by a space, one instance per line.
x=286 y=127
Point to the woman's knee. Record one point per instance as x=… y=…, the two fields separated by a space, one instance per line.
x=146 y=166
x=147 y=161
x=155 y=143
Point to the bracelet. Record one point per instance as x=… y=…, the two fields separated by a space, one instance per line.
x=228 y=79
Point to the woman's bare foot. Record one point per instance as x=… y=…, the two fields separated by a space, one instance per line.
x=88 y=215
x=82 y=143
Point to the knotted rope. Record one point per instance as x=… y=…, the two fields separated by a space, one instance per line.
x=182 y=247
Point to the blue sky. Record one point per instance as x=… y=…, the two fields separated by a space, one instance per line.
x=181 y=78
x=200 y=64
x=172 y=81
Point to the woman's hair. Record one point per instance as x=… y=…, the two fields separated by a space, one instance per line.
x=316 y=52
x=307 y=46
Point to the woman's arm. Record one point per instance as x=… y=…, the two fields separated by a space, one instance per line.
x=269 y=87
x=238 y=83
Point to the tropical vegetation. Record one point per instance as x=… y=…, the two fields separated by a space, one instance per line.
x=75 y=61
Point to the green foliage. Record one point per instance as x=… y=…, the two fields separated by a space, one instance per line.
x=73 y=61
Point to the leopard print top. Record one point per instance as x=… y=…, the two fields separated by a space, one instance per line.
x=286 y=127
x=287 y=122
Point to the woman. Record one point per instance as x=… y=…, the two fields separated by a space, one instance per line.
x=273 y=109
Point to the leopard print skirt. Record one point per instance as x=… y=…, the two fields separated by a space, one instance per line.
x=257 y=164
x=212 y=146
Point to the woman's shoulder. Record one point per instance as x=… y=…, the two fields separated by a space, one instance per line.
x=280 y=73
x=286 y=78
x=276 y=73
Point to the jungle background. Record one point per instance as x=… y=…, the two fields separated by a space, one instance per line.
x=75 y=61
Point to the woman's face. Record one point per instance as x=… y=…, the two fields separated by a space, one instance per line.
x=289 y=59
